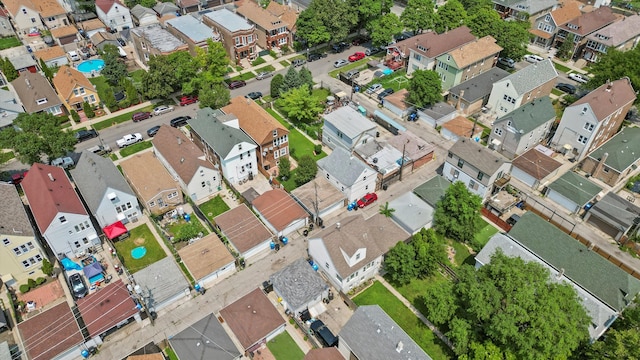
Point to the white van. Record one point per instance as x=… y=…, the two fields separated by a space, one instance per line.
x=64 y=162
x=73 y=56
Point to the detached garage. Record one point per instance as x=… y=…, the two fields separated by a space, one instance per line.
x=320 y=196
x=280 y=213
x=572 y=191
x=248 y=236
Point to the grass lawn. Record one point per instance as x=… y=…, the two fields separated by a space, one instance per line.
x=140 y=236
x=265 y=68
x=9 y=42
x=137 y=75
x=175 y=228
x=285 y=63
x=321 y=94
x=557 y=92
x=396 y=81
x=297 y=141
x=290 y=183
x=170 y=353
x=408 y=321
x=118 y=119
x=360 y=64
x=486 y=231
x=414 y=290
x=137 y=147
x=561 y=67
x=214 y=207
x=6 y=156
x=462 y=253
x=246 y=76
x=284 y=348
x=101 y=85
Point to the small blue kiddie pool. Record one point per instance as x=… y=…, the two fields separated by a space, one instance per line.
x=139 y=252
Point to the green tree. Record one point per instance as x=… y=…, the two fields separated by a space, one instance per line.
x=384 y=28
x=306 y=77
x=565 y=51
x=284 y=168
x=513 y=37
x=133 y=96
x=386 y=210
x=299 y=106
x=47 y=267
x=457 y=215
x=155 y=82
x=213 y=60
x=109 y=99
x=449 y=16
x=418 y=15
x=399 y=263
x=48 y=73
x=88 y=110
x=370 y=11
x=114 y=68
x=473 y=5
x=338 y=17
x=214 y=95
x=306 y=171
x=484 y=21
x=617 y=344
x=430 y=252
x=615 y=65
x=310 y=28
x=9 y=70
x=186 y=68
x=425 y=88
x=187 y=232
x=292 y=80
x=440 y=302
x=276 y=83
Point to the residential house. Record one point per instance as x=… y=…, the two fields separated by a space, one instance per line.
x=74 y=89
x=593 y=119
x=460 y=128
x=21 y=253
x=385 y=159
x=65 y=35
x=523 y=128
x=469 y=97
x=467 y=61
x=6 y=29
x=61 y=333
x=601 y=314
x=348 y=174
x=372 y=334
x=437 y=114
x=53 y=56
x=523 y=9
x=572 y=191
x=523 y=86
x=102 y=38
x=208 y=260
x=271 y=30
x=319 y=198
x=347 y=128
x=397 y=105
x=614 y=160
x=90 y=27
x=10 y=107
x=104 y=190
x=53 y=15
x=535 y=167
x=330 y=353
x=171 y=291
x=143 y=16
x=253 y=319
x=479 y=168
x=239 y=38
x=300 y=287
x=246 y=233
x=622 y=35
x=192 y=31
x=432 y=190
x=279 y=212
x=36 y=94
x=156 y=189
x=165 y=8
x=416 y=151
x=287 y=14
x=352 y=251
x=615 y=216
x=24 y=15
x=24 y=62
x=224 y=144
x=271 y=136
x=187 y=6
x=202 y=331
x=545 y=27
x=114 y=14
x=411 y=212
x=186 y=163
x=58 y=212
x=153 y=40
x=583 y=26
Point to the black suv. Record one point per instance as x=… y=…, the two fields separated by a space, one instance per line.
x=78 y=286
x=323 y=334
x=316 y=56
x=384 y=93
x=83 y=135
x=180 y=121
x=340 y=47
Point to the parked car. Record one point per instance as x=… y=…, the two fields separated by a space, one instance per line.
x=513 y=219
x=162 y=110
x=532 y=58
x=64 y=162
x=121 y=42
x=373 y=88
x=100 y=149
x=384 y=93
x=298 y=62
x=129 y=139
x=139 y=116
x=188 y=100
x=351 y=74
x=263 y=75
x=359 y=55
x=254 y=95
x=506 y=63
x=367 y=200
x=568 y=88
x=237 y=84
x=340 y=47
x=322 y=333
x=583 y=79
x=179 y=121
x=83 y=135
x=359 y=40
x=372 y=50
x=316 y=56
x=153 y=131
x=340 y=63
x=77 y=286
x=17 y=178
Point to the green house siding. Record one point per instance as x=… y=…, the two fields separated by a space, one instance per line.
x=448 y=71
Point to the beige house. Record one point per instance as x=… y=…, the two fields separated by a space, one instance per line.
x=467 y=61
x=24 y=14
x=74 y=89
x=53 y=56
x=65 y=35
x=272 y=31
x=52 y=13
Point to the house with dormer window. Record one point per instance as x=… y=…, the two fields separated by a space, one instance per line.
x=37 y=94
x=75 y=89
x=24 y=14
x=622 y=35
x=114 y=14
x=272 y=31
x=52 y=13
x=467 y=61
x=545 y=26
x=583 y=26
x=523 y=9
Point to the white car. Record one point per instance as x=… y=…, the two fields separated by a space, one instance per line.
x=373 y=88
x=532 y=58
x=340 y=63
x=264 y=75
x=583 y=79
x=129 y=139
x=162 y=110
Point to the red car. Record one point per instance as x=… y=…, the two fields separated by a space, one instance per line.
x=357 y=56
x=237 y=84
x=188 y=100
x=367 y=200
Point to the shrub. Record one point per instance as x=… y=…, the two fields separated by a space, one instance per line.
x=273 y=54
x=24 y=288
x=88 y=110
x=258 y=61
x=75 y=116
x=285 y=49
x=47 y=267
x=40 y=281
x=317 y=148
x=32 y=283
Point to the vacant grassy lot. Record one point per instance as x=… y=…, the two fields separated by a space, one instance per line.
x=396 y=81
x=9 y=42
x=214 y=207
x=132 y=149
x=414 y=290
x=140 y=236
x=284 y=348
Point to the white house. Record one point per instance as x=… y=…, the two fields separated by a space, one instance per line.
x=348 y=174
x=279 y=212
x=114 y=14
x=105 y=191
x=225 y=144
x=143 y=16
x=186 y=163
x=58 y=211
x=347 y=128
x=25 y=15
x=476 y=166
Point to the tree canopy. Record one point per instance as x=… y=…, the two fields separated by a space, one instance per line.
x=299 y=106
x=419 y=258
x=214 y=95
x=512 y=36
x=114 y=68
x=449 y=16
x=383 y=29
x=622 y=340
x=326 y=20
x=615 y=65
x=306 y=171
x=457 y=215
x=418 y=15
x=425 y=88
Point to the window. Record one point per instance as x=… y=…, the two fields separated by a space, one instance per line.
x=326 y=265
x=582 y=139
x=152 y=203
x=450 y=155
x=480 y=175
x=327 y=176
x=358 y=256
x=62 y=219
x=275 y=133
x=547 y=18
x=605 y=169
x=26 y=264
x=498 y=131
x=589 y=126
x=17 y=251
x=203 y=184
x=241 y=156
x=41 y=101
x=24 y=11
x=460 y=163
x=6 y=242
x=417 y=56
x=172 y=195
x=509 y=123
x=85 y=241
x=283 y=151
x=77 y=244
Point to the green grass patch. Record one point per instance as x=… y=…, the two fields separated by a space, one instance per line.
x=557 y=92
x=186 y=272
x=360 y=64
x=214 y=207
x=137 y=75
x=561 y=67
x=113 y=157
x=462 y=253
x=137 y=147
x=415 y=290
x=290 y=183
x=377 y=294
x=140 y=236
x=285 y=63
x=258 y=61
x=265 y=68
x=170 y=353
x=396 y=81
x=298 y=143
x=118 y=119
x=6 y=156
x=175 y=228
x=246 y=76
x=5 y=88
x=284 y=348
x=9 y=42
x=486 y=231
x=321 y=94
x=100 y=83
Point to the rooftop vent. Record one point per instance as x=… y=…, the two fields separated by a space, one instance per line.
x=51 y=177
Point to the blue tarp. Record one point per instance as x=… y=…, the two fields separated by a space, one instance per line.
x=379 y=114
x=67 y=264
x=92 y=270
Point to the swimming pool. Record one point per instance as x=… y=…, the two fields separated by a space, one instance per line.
x=139 y=252
x=90 y=66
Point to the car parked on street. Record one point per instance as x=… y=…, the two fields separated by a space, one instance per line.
x=340 y=63
x=83 y=135
x=368 y=199
x=139 y=116
x=179 y=121
x=385 y=93
x=129 y=139
x=237 y=84
x=298 y=62
x=188 y=100
x=568 y=88
x=64 y=162
x=263 y=75
x=373 y=50
x=153 y=131
x=577 y=77
x=532 y=58
x=359 y=55
x=373 y=88
x=163 y=109
x=316 y=56
x=340 y=47
x=254 y=95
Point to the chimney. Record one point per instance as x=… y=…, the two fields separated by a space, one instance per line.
x=609 y=86
x=600 y=164
x=51 y=177
x=181 y=160
x=560 y=274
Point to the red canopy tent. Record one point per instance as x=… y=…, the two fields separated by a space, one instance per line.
x=115 y=230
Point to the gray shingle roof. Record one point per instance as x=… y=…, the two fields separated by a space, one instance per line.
x=371 y=334
x=575 y=188
x=616 y=211
x=532 y=76
x=433 y=190
x=192 y=28
x=529 y=116
x=166 y=8
x=222 y=138
x=139 y=11
x=606 y=281
x=161 y=281
x=9 y=106
x=478 y=156
x=349 y=121
x=298 y=283
x=13 y=216
x=94 y=176
x=229 y=20
x=343 y=166
x=206 y=339
x=158 y=37
x=623 y=149
x=528 y=6
x=438 y=110
x=619 y=32
x=480 y=86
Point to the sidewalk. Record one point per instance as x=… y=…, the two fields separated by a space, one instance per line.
x=85 y=124
x=549 y=53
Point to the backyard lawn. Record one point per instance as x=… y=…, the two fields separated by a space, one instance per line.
x=408 y=321
x=298 y=143
x=6 y=156
x=396 y=81
x=414 y=290
x=100 y=83
x=486 y=232
x=9 y=42
x=175 y=228
x=214 y=207
x=284 y=348
x=137 y=147
x=140 y=236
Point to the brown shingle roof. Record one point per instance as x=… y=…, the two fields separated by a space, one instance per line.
x=147 y=175
x=14 y=5
x=157 y=356
x=320 y=190
x=180 y=152
x=50 y=333
x=205 y=256
x=104 y=309
x=252 y=318
x=242 y=228
x=438 y=44
x=93 y=24
x=259 y=15
x=49 y=53
x=64 y=31
x=67 y=79
x=569 y=11
x=590 y=22
x=286 y=13
x=475 y=51
x=254 y=120
x=330 y=353
x=536 y=164
x=461 y=126
x=397 y=99
x=34 y=86
x=608 y=98
x=48 y=8
x=279 y=208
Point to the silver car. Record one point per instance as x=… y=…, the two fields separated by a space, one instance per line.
x=373 y=88
x=532 y=58
x=162 y=110
x=264 y=75
x=340 y=63
x=583 y=79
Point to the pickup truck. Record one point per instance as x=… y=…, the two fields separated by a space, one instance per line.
x=129 y=139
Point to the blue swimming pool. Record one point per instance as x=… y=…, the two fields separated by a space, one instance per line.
x=139 y=252
x=90 y=66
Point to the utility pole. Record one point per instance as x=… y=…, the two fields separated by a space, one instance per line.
x=402 y=159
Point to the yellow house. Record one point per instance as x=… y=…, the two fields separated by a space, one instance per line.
x=74 y=88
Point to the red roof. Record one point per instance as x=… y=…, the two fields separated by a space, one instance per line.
x=50 y=333
x=47 y=198
x=279 y=208
x=114 y=230
x=106 y=5
x=107 y=307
